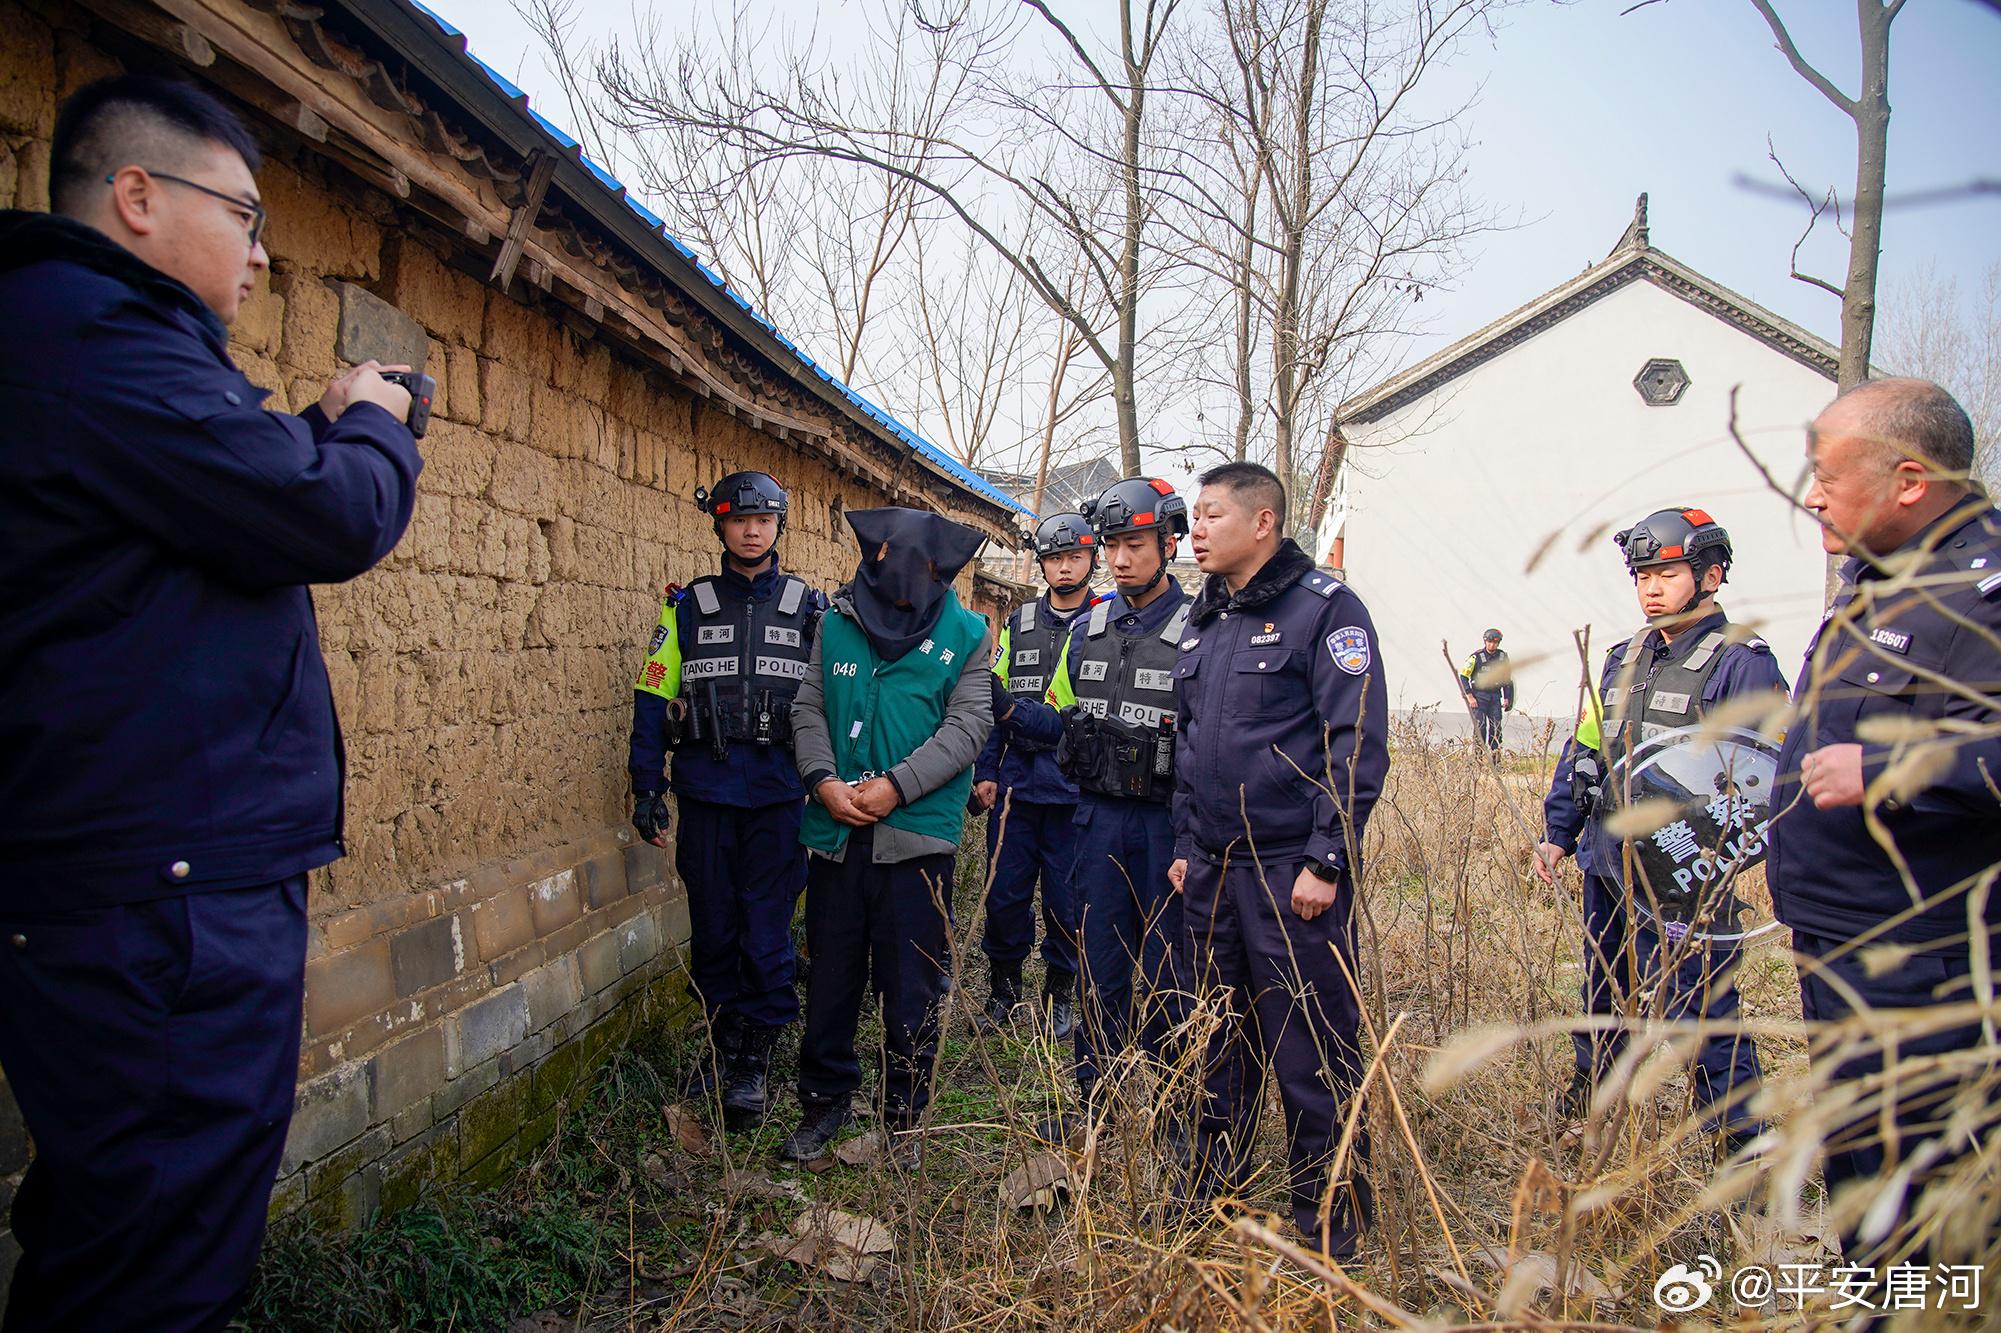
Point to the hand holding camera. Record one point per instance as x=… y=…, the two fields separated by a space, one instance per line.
x=397 y=390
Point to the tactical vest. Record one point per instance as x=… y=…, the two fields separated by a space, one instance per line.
x=1642 y=709
x=1035 y=641
x=1125 y=688
x=742 y=663
x=1481 y=661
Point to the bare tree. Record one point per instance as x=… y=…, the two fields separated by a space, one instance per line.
x=1334 y=206
x=1928 y=330
x=986 y=143
x=1869 y=109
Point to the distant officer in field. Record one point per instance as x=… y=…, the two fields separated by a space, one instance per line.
x=1907 y=655
x=1111 y=707
x=1668 y=676
x=1489 y=685
x=896 y=704
x=1282 y=749
x=1032 y=807
x=716 y=692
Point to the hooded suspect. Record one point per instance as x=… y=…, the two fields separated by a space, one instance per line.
x=909 y=559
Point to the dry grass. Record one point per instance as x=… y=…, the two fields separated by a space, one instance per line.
x=1492 y=1209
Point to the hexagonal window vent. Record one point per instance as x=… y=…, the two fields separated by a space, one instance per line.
x=1661 y=382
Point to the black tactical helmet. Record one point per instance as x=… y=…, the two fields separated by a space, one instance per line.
x=1668 y=535
x=1065 y=532
x=1061 y=533
x=1491 y=636
x=744 y=493
x=1139 y=504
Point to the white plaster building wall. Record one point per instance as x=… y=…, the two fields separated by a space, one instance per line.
x=1451 y=496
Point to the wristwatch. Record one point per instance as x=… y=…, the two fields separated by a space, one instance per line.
x=1322 y=871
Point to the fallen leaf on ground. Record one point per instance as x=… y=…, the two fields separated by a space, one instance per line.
x=687 y=1130
x=861 y=1150
x=850 y=1231
x=814 y=1252
x=1533 y=1273
x=1037 y=1182
x=542 y=1321
x=740 y=1184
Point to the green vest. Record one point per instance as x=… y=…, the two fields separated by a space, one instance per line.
x=879 y=712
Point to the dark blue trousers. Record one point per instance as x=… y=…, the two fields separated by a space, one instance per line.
x=1027 y=841
x=744 y=869
x=1855 y=1151
x=1726 y=1064
x=154 y=1049
x=879 y=924
x=1293 y=1015
x=1135 y=960
x=1487 y=720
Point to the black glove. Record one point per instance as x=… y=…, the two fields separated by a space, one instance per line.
x=650 y=814
x=1003 y=701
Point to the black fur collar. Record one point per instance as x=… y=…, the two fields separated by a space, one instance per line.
x=1286 y=567
x=31 y=238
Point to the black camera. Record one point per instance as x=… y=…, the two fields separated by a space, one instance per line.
x=421 y=388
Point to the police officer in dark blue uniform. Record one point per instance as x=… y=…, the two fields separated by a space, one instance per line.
x=1907 y=653
x=716 y=691
x=1031 y=831
x=1282 y=749
x=1489 y=686
x=170 y=762
x=1667 y=676
x=1110 y=711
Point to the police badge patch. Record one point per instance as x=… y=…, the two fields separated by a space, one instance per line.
x=1349 y=647
x=659 y=637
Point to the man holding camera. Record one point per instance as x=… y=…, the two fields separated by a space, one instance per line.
x=716 y=690
x=170 y=764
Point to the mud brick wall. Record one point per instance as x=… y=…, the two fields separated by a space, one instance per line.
x=495 y=926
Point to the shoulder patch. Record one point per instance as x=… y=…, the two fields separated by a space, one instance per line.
x=659 y=638
x=1349 y=647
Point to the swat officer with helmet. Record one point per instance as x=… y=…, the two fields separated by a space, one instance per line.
x=1489 y=686
x=1110 y=712
x=1032 y=806
x=716 y=692
x=1674 y=670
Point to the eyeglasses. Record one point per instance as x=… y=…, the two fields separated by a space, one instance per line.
x=258 y=217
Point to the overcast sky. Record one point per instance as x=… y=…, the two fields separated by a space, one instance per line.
x=1579 y=109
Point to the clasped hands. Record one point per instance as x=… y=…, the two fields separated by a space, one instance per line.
x=858 y=806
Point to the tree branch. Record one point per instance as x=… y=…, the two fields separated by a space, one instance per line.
x=1798 y=62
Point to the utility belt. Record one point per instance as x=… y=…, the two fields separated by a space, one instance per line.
x=705 y=715
x=1114 y=758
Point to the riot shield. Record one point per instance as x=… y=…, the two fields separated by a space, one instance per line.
x=1684 y=876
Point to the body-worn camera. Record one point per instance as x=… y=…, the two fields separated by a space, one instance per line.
x=421 y=388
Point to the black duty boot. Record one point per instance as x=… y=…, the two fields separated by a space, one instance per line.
x=748 y=1073
x=821 y=1123
x=1577 y=1101
x=716 y=1058
x=1059 y=999
x=1005 y=978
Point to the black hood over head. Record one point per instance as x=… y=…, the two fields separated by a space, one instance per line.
x=925 y=552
